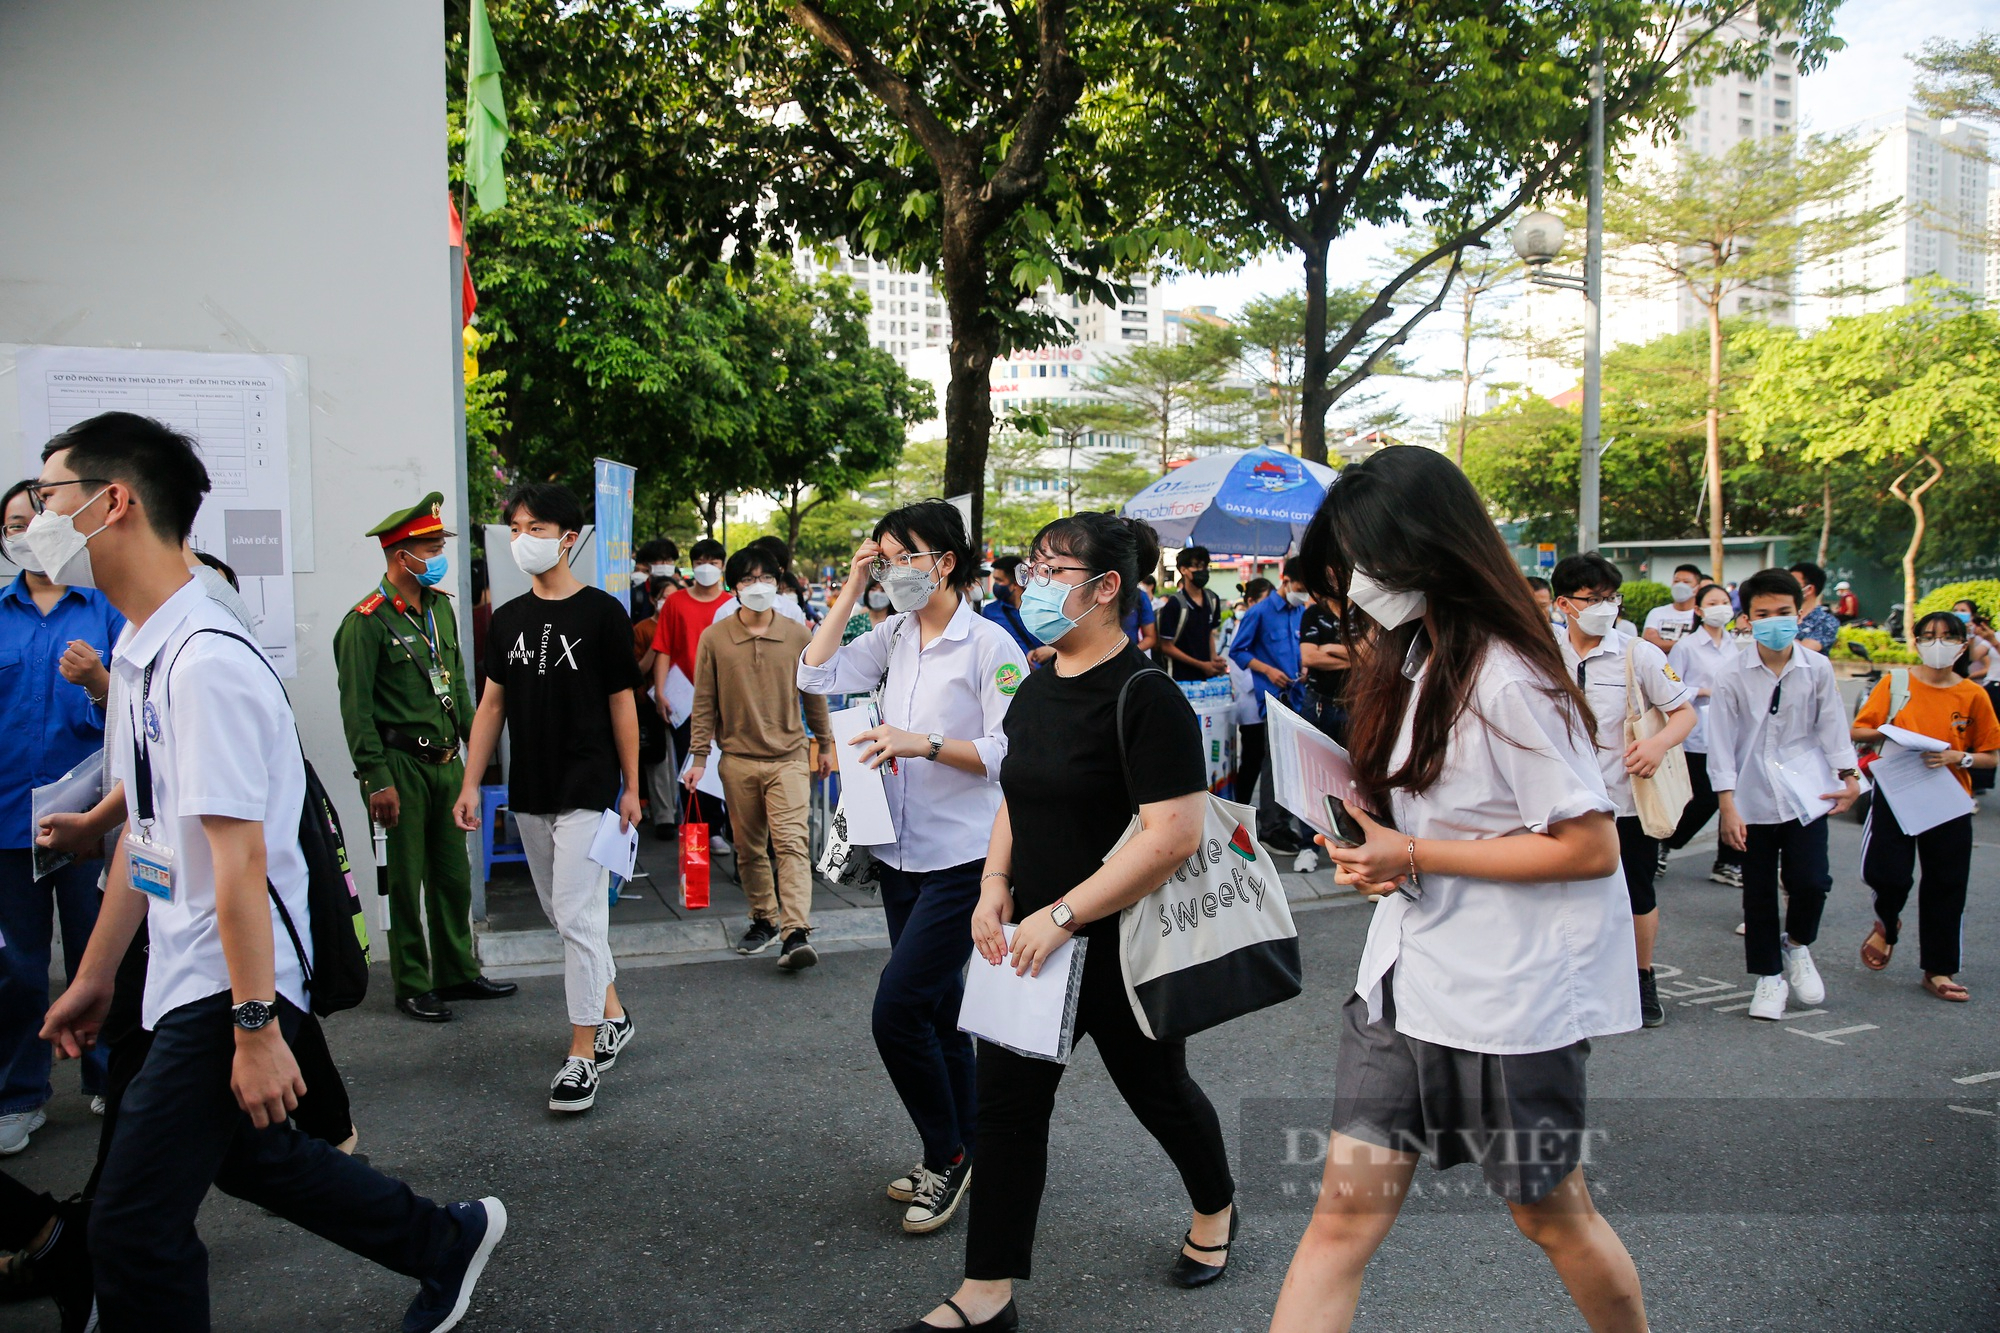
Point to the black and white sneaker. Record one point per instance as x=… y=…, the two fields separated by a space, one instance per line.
x=1726 y=872
x=575 y=1088
x=613 y=1035
x=938 y=1195
x=1660 y=862
x=904 y=1188
x=797 y=955
x=761 y=936
x=1652 y=1013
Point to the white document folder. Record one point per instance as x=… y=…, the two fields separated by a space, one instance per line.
x=614 y=850
x=863 y=802
x=1033 y=1016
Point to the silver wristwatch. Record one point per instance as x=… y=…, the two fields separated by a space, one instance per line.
x=1965 y=759
x=254 y=1015
x=936 y=738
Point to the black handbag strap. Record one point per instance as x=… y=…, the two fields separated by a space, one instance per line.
x=1124 y=764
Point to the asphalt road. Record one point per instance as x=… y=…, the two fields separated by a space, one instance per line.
x=730 y=1178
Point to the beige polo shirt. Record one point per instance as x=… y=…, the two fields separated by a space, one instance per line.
x=746 y=695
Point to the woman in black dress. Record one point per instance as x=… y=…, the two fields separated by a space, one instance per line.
x=1068 y=795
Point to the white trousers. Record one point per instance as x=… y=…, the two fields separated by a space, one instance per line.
x=576 y=897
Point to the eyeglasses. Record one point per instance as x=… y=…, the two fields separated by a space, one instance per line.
x=1939 y=638
x=15 y=529
x=1041 y=574
x=38 y=494
x=754 y=582
x=1585 y=603
x=880 y=567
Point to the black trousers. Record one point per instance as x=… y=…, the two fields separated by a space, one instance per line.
x=1700 y=809
x=1275 y=827
x=1017 y=1097
x=1888 y=866
x=23 y=1212
x=180 y=1131
x=1640 y=856
x=1803 y=850
x=916 y=1003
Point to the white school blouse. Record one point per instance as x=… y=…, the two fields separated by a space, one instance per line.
x=1504 y=968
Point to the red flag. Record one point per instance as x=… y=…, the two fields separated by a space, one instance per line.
x=470 y=297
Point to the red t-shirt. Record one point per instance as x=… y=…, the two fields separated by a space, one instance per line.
x=682 y=619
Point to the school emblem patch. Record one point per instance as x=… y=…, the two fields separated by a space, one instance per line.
x=1672 y=675
x=1007 y=677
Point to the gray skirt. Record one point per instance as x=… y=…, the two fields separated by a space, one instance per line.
x=1520 y=1117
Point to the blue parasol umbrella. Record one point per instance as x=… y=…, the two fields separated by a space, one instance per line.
x=1238 y=502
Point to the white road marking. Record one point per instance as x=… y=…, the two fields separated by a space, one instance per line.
x=1967 y=1110
x=1715 y=999
x=1786 y=1017
x=1986 y=1077
x=1683 y=989
x=1829 y=1036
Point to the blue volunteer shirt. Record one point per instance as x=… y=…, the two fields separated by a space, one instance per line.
x=1008 y=617
x=1269 y=632
x=47 y=725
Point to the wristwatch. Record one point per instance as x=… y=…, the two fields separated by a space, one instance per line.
x=1965 y=759
x=254 y=1015
x=936 y=738
x=1063 y=916
x=1847 y=773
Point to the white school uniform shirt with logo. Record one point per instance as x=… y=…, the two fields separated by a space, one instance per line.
x=1700 y=662
x=1603 y=681
x=1746 y=741
x=1504 y=968
x=227 y=746
x=959 y=686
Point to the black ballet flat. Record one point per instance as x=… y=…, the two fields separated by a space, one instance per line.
x=1006 y=1321
x=1188 y=1272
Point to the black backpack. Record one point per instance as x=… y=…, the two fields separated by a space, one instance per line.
x=333 y=903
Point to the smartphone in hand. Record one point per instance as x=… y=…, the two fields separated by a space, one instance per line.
x=1347 y=831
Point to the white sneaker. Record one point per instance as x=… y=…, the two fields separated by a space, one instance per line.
x=1742 y=927
x=719 y=846
x=1769 y=1001
x=15 y=1129
x=1305 y=862
x=97 y=1105
x=1801 y=975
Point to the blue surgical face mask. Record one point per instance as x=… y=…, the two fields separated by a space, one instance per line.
x=433 y=572
x=1042 y=608
x=1775 y=632
x=1964 y=617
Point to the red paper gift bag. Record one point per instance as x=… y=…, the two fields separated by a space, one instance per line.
x=694 y=861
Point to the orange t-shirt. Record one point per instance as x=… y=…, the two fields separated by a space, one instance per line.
x=1960 y=715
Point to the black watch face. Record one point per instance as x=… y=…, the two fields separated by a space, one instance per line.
x=252 y=1014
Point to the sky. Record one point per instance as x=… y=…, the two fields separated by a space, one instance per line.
x=1873 y=75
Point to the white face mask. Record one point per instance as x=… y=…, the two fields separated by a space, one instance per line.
x=1715 y=617
x=757 y=597
x=1599 y=620
x=908 y=588
x=878 y=599
x=18 y=552
x=535 y=555
x=707 y=575
x=1939 y=655
x=1385 y=607
x=62 y=552
x=639 y=577
x=1295 y=597
x=1683 y=593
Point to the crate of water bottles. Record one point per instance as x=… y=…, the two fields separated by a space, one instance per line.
x=1214 y=703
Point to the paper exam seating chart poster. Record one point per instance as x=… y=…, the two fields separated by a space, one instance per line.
x=233 y=406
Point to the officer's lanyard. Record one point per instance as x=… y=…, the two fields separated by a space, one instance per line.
x=142 y=754
x=430 y=638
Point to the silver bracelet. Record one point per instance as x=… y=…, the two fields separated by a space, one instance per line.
x=1416 y=883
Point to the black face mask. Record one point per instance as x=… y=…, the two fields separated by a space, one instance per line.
x=1198 y=577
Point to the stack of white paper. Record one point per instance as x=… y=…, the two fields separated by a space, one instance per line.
x=1921 y=796
x=1808 y=778
x=864 y=805
x=1307 y=765
x=1034 y=1016
x=616 y=851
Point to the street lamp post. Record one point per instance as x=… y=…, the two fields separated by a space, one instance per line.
x=1538 y=239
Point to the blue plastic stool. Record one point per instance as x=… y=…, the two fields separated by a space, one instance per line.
x=492 y=851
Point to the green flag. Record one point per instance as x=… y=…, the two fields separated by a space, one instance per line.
x=485 y=116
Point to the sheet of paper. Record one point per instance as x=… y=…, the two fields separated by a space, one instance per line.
x=680 y=696
x=1307 y=766
x=1807 y=777
x=1922 y=797
x=1028 y=1015
x=711 y=773
x=71 y=794
x=612 y=849
x=863 y=802
x=233 y=405
x=1913 y=740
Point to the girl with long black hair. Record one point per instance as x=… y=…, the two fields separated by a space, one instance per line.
x=1067 y=794
x=1502 y=939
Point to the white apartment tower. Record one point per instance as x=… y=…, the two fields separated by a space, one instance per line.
x=1939 y=170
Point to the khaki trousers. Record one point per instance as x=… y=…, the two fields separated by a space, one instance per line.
x=770 y=799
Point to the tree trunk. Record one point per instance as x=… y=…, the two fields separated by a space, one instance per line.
x=1915 y=500
x=1714 y=453
x=1465 y=378
x=1825 y=515
x=975 y=339
x=1317 y=367
x=711 y=501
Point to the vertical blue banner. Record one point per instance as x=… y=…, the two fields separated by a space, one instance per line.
x=614 y=527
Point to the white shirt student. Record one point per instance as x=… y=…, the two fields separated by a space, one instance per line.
x=1601 y=674
x=1463 y=948
x=1748 y=738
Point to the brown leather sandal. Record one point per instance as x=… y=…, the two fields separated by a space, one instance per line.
x=1873 y=958
x=1947 y=989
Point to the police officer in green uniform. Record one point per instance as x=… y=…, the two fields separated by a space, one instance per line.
x=407 y=708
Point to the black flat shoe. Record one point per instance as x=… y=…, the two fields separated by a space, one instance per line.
x=1188 y=1272
x=1007 y=1320
x=425 y=1008
x=479 y=988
